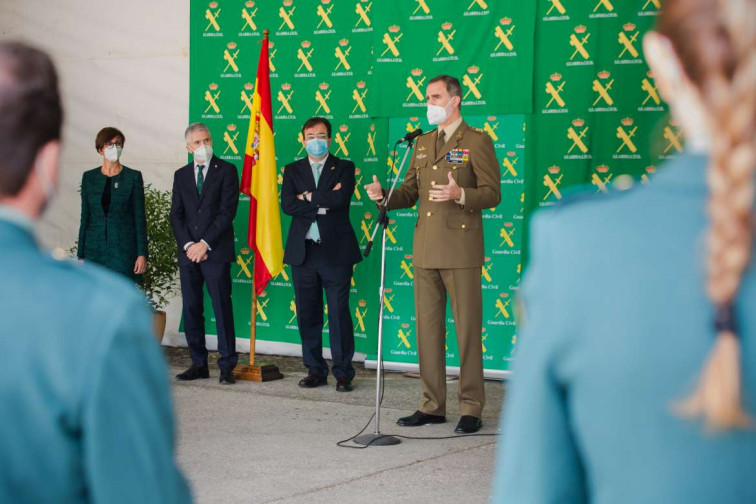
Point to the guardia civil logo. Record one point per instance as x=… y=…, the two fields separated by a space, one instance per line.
x=445 y=39
x=577 y=133
x=603 y=9
x=304 y=55
x=626 y=133
x=422 y=11
x=581 y=51
x=601 y=178
x=602 y=88
x=322 y=95
x=211 y=97
x=629 y=53
x=341 y=53
x=358 y=96
x=323 y=11
x=415 y=82
x=391 y=39
x=554 y=89
x=342 y=139
x=503 y=34
x=283 y=96
x=477 y=8
x=556 y=11
x=246 y=97
x=360 y=312
x=652 y=100
x=673 y=142
x=552 y=179
x=371 y=155
x=509 y=163
x=471 y=82
x=248 y=14
x=230 y=55
x=363 y=23
x=230 y=136
x=212 y=15
x=286 y=13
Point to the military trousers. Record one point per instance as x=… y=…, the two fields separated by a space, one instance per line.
x=463 y=287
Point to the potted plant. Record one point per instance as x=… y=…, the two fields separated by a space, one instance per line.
x=160 y=282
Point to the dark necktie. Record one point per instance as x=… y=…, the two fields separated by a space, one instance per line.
x=200 y=178
x=440 y=141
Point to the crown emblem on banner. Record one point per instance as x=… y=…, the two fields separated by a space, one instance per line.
x=361 y=85
x=388 y=290
x=249 y=86
x=487 y=259
x=491 y=118
x=368 y=215
x=508 y=224
x=231 y=45
x=555 y=76
x=362 y=303
x=672 y=122
x=604 y=74
x=392 y=221
x=271 y=44
x=325 y=2
x=323 y=86
x=447 y=26
x=357 y=171
x=405 y=326
x=393 y=28
x=417 y=72
x=231 y=127
x=408 y=256
x=504 y=295
x=394 y=153
x=413 y=119
x=473 y=69
x=602 y=168
x=264 y=293
x=554 y=169
x=578 y=122
x=651 y=169
x=627 y=121
x=506 y=21
x=250 y=4
x=580 y=29
x=285 y=86
x=213 y=86
x=650 y=74
x=213 y=5
x=343 y=128
x=372 y=127
x=628 y=27
x=343 y=42
x=511 y=154
x=288 y=3
x=245 y=251
x=306 y=44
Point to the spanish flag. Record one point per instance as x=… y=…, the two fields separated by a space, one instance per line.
x=259 y=180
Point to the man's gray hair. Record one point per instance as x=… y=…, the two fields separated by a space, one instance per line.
x=196 y=126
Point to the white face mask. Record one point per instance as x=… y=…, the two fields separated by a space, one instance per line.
x=437 y=114
x=203 y=153
x=113 y=154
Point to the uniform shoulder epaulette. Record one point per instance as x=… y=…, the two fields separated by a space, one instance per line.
x=428 y=132
x=479 y=130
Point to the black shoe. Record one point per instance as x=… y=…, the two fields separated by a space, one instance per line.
x=227 y=378
x=312 y=381
x=344 y=385
x=468 y=424
x=419 y=418
x=193 y=373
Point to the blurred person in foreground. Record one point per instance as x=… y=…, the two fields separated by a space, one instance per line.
x=636 y=378
x=86 y=411
x=113 y=229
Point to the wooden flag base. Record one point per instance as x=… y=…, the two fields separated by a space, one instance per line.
x=260 y=373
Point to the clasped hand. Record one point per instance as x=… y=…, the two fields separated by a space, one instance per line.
x=197 y=252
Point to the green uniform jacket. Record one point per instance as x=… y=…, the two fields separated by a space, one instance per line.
x=86 y=412
x=448 y=235
x=116 y=240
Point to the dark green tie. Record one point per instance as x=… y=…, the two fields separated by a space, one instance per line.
x=440 y=142
x=200 y=178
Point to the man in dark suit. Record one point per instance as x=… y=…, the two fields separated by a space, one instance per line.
x=205 y=197
x=322 y=250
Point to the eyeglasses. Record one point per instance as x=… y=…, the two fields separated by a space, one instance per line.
x=319 y=136
x=113 y=144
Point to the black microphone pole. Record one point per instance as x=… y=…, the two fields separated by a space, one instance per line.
x=376 y=438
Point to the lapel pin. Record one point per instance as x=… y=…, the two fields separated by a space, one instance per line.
x=116 y=185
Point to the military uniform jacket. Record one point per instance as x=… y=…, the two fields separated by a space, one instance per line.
x=449 y=235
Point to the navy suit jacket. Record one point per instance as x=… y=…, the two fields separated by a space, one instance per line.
x=336 y=232
x=208 y=216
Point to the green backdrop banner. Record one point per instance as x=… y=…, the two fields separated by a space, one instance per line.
x=561 y=87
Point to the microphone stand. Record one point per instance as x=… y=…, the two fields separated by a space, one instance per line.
x=376 y=438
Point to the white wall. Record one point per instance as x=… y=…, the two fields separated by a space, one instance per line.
x=122 y=64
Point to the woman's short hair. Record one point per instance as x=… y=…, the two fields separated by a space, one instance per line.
x=107 y=134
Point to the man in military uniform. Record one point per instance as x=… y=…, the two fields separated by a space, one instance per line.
x=86 y=410
x=453 y=175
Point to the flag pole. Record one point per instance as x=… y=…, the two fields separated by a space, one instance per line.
x=261 y=372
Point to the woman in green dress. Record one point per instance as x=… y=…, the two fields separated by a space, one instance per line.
x=113 y=231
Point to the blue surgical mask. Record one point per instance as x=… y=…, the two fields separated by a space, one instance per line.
x=316 y=147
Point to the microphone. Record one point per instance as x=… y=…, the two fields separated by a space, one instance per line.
x=411 y=135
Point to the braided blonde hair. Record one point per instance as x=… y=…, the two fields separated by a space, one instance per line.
x=716 y=43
